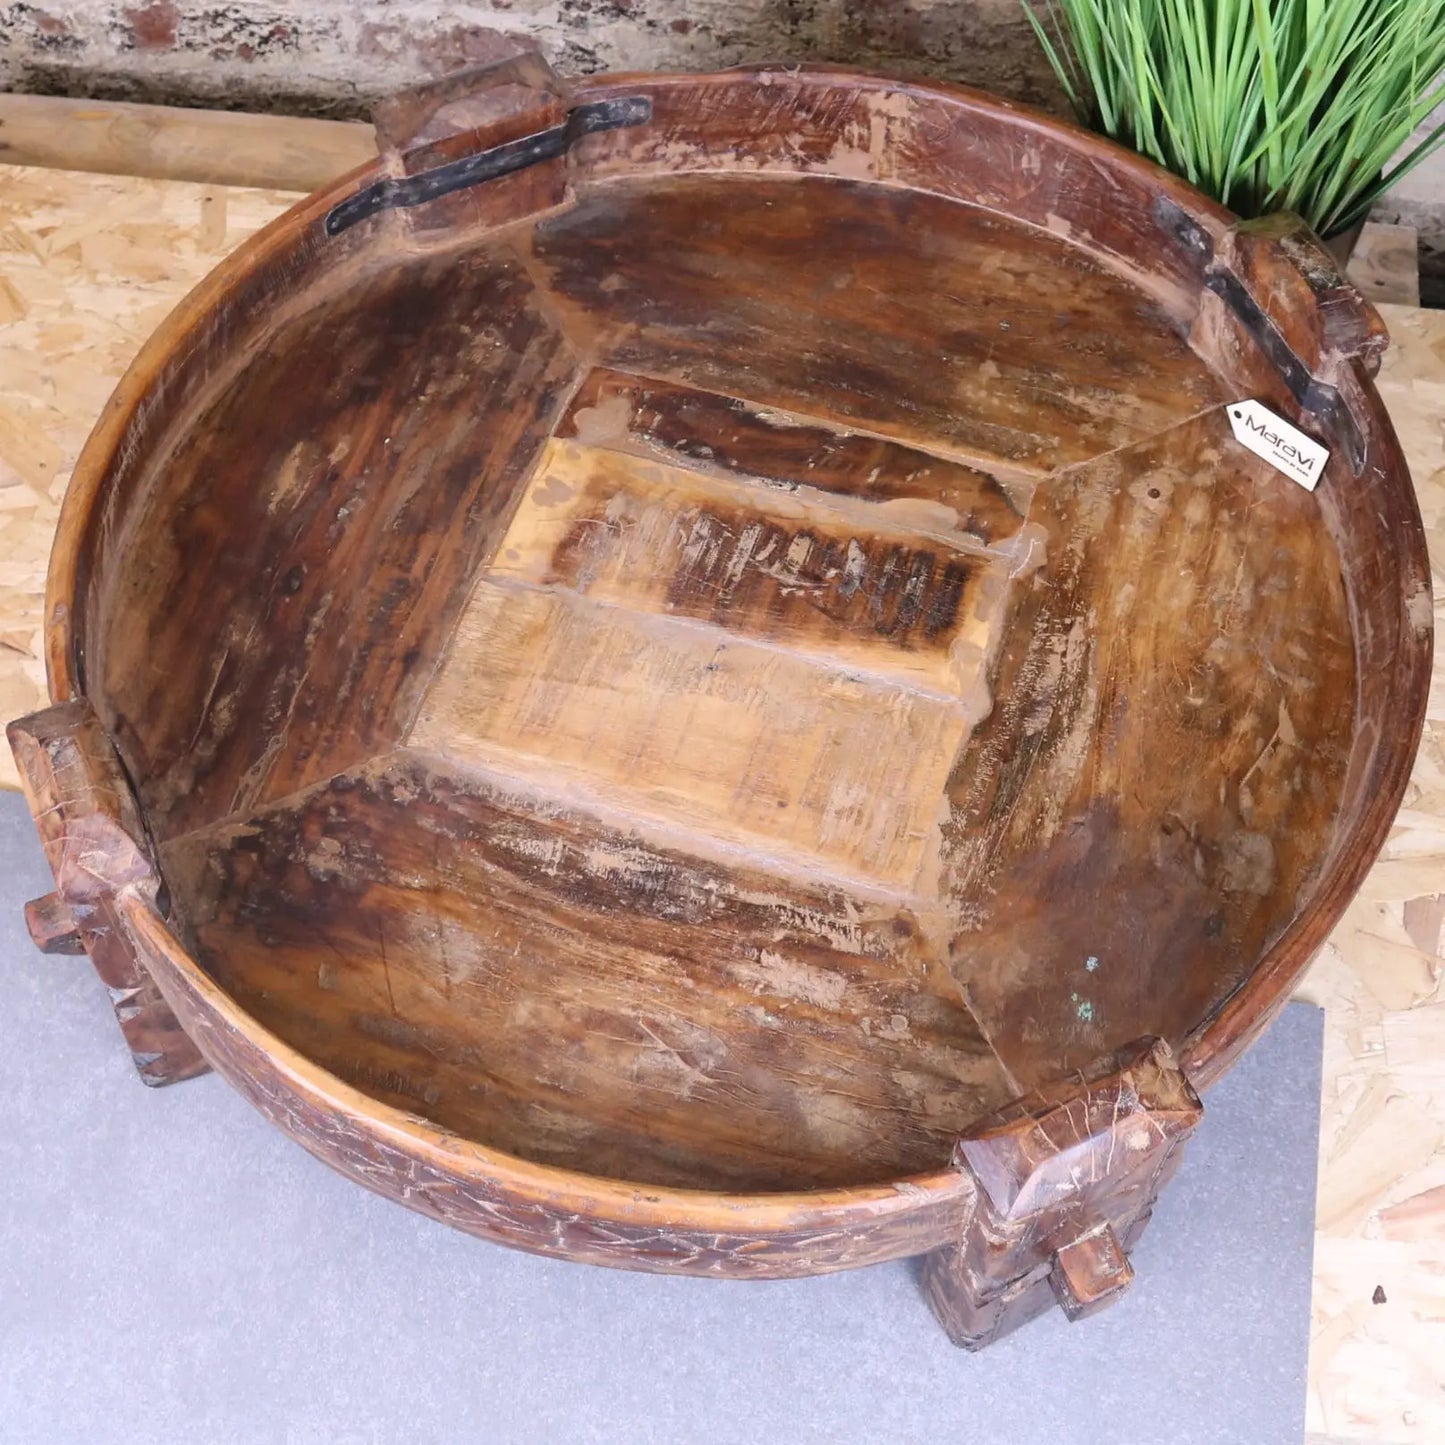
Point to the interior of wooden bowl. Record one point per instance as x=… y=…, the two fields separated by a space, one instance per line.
x=724 y=683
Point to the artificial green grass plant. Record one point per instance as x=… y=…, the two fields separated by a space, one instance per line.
x=1268 y=105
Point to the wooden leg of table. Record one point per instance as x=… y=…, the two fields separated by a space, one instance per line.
x=970 y=1316
x=1064 y=1181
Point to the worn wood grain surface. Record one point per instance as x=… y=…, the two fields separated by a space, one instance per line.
x=77 y=295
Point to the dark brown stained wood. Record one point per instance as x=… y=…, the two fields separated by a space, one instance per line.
x=451 y=118
x=235 y=306
x=940 y=326
x=572 y=991
x=722 y=435
x=1090 y=1274
x=456 y=114
x=946 y=140
x=743 y=657
x=52 y=925
x=1153 y=793
x=373 y=437
x=1319 y=314
x=1374 y=523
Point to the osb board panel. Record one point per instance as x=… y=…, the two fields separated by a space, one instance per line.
x=92 y=263
x=89 y=267
x=1377 y=1370
x=1386 y=266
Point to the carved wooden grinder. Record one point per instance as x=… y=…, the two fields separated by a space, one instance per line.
x=687 y=672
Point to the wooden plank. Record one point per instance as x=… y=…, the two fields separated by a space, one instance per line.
x=414 y=500
x=678 y=724
x=162 y=142
x=1386 y=264
x=525 y=973
x=978 y=360
x=726 y=436
x=852 y=583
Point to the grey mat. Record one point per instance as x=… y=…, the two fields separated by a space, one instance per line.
x=172 y=1268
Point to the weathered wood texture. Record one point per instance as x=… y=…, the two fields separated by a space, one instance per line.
x=535 y=1207
x=1013 y=347
x=95 y=842
x=724 y=659
x=647 y=1014
x=1168 y=735
x=367 y=462
x=1066 y=1181
x=213 y=147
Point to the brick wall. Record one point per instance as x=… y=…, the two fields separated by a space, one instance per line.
x=333 y=57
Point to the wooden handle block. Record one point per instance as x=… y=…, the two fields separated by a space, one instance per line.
x=469 y=110
x=1295 y=281
x=93 y=837
x=1062 y=1173
x=1280 y=319
x=52 y=925
x=1090 y=1273
x=82 y=805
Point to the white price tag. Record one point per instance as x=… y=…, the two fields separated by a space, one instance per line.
x=1286 y=448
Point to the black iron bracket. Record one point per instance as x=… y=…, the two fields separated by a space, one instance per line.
x=399 y=192
x=1182 y=228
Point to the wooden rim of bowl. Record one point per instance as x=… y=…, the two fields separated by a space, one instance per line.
x=1211 y=1047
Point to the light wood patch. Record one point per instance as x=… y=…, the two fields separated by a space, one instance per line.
x=689 y=725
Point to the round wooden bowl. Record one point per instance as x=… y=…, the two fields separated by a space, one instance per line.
x=688 y=672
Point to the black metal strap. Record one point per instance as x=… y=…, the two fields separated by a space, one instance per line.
x=514 y=155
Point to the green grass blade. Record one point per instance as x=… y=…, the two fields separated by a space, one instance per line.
x=1263 y=103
